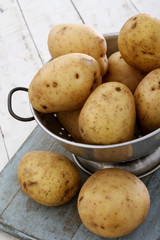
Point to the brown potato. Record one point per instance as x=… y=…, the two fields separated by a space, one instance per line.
x=139 y=42
x=81 y=38
x=64 y=83
x=113 y=202
x=70 y=120
x=48 y=178
x=120 y=71
x=147 y=99
x=108 y=115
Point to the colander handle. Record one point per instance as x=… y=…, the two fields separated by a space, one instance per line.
x=10 y=105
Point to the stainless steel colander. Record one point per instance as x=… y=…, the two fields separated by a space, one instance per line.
x=140 y=156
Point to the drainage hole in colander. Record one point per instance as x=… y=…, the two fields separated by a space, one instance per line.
x=62 y=131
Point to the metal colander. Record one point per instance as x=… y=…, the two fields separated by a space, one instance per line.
x=140 y=156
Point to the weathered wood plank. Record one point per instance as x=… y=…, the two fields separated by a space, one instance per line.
x=47 y=222
x=106 y=16
x=4 y=158
x=40 y=24
x=19 y=62
x=21 y=55
x=20 y=58
x=5 y=236
x=149 y=6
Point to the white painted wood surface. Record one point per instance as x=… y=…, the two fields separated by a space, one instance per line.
x=24 y=28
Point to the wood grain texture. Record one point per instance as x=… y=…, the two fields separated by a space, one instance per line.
x=149 y=6
x=41 y=20
x=105 y=15
x=4 y=157
x=19 y=61
x=24 y=27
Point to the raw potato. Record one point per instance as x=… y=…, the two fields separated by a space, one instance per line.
x=139 y=42
x=108 y=116
x=147 y=99
x=69 y=119
x=64 y=83
x=48 y=178
x=67 y=38
x=113 y=202
x=120 y=71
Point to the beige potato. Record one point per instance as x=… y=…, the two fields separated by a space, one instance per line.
x=64 y=83
x=113 y=202
x=147 y=99
x=48 y=178
x=108 y=116
x=139 y=42
x=69 y=119
x=67 y=38
x=120 y=71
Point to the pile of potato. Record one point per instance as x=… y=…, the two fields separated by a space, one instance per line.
x=98 y=101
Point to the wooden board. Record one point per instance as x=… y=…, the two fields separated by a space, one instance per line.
x=23 y=218
x=23 y=42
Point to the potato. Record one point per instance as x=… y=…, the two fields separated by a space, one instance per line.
x=67 y=38
x=48 y=178
x=113 y=202
x=147 y=99
x=108 y=116
x=120 y=71
x=139 y=42
x=64 y=83
x=69 y=119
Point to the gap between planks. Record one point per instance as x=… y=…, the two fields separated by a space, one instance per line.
x=134 y=6
x=77 y=12
x=10 y=201
x=29 y=31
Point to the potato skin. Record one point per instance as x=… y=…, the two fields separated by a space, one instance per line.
x=139 y=42
x=69 y=119
x=64 y=83
x=48 y=178
x=120 y=71
x=67 y=38
x=147 y=99
x=108 y=116
x=113 y=202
